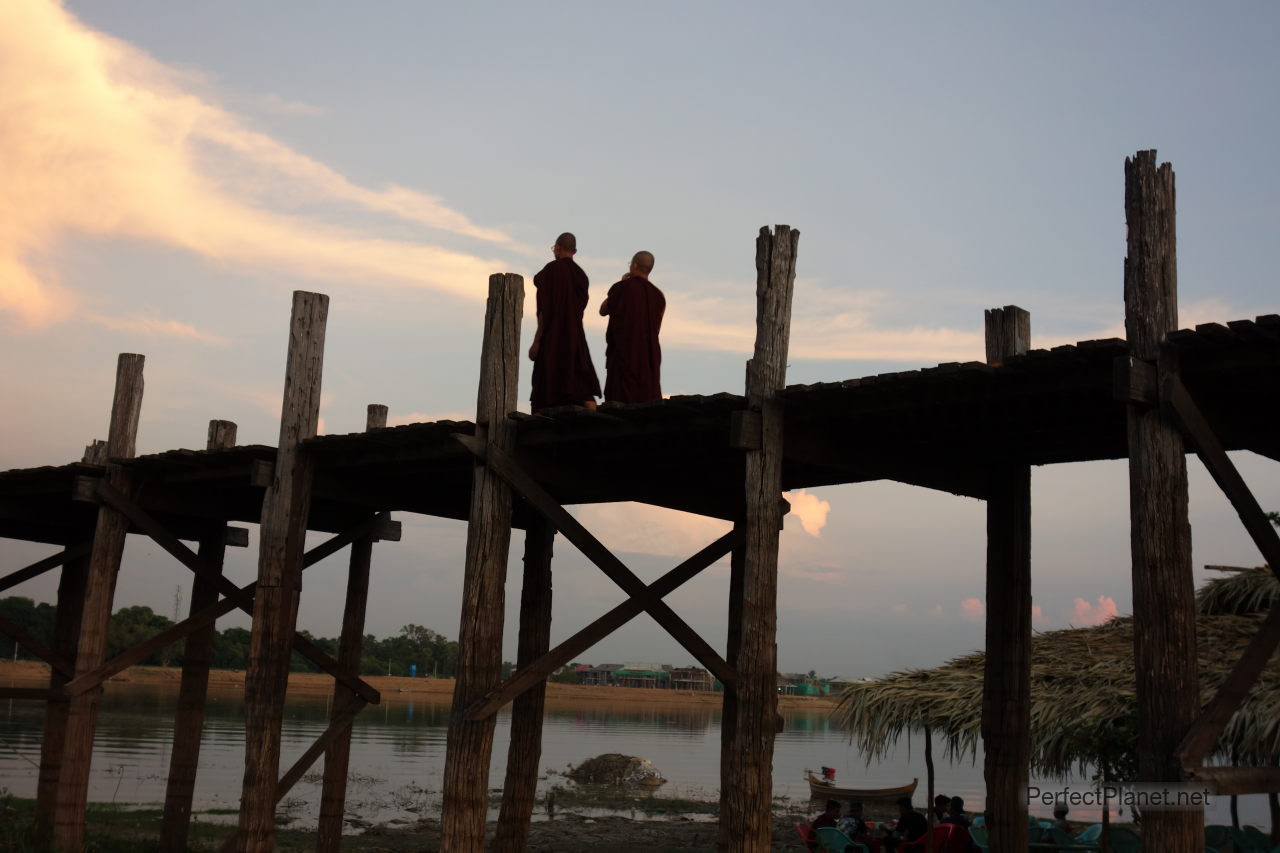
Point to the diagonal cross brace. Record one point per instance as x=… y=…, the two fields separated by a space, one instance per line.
x=39 y=567
x=538 y=671
x=39 y=649
x=1204 y=733
x=537 y=497
x=148 y=525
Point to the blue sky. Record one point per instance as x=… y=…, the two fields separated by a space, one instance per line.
x=173 y=171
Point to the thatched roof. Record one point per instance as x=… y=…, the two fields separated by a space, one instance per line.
x=1082 y=688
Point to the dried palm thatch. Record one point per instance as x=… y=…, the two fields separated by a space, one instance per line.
x=1082 y=689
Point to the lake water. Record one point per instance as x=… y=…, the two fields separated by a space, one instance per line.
x=398 y=749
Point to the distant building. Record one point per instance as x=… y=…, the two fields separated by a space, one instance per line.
x=692 y=678
x=651 y=675
x=604 y=675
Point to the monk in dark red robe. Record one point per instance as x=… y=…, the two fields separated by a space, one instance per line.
x=633 y=359
x=563 y=374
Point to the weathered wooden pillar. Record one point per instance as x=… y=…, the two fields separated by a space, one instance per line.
x=470 y=742
x=197 y=658
x=1164 y=607
x=520 y=788
x=1006 y=686
x=66 y=632
x=729 y=701
x=746 y=791
x=99 y=590
x=337 y=759
x=282 y=533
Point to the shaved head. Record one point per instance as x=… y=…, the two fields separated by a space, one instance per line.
x=568 y=242
x=643 y=262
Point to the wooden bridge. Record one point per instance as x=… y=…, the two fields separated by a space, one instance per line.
x=971 y=429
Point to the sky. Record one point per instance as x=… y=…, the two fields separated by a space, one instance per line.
x=172 y=172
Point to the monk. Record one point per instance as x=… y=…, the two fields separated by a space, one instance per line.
x=563 y=374
x=633 y=357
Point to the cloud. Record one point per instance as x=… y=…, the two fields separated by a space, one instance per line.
x=156 y=327
x=643 y=529
x=810 y=510
x=936 y=611
x=1037 y=615
x=100 y=139
x=1084 y=613
x=973 y=609
x=900 y=607
x=428 y=417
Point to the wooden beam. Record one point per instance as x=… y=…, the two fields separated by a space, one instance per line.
x=1233 y=781
x=244 y=598
x=746 y=788
x=1203 y=735
x=1135 y=381
x=285 y=509
x=20 y=636
x=197 y=659
x=539 y=670
x=525 y=749
x=1164 y=607
x=39 y=567
x=1222 y=470
x=48 y=694
x=104 y=563
x=339 y=726
x=333 y=792
x=527 y=488
x=470 y=742
x=1006 y=683
x=66 y=633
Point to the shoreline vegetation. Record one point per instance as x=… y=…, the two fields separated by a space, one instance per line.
x=36 y=674
x=586 y=817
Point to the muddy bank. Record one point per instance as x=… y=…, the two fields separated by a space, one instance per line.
x=32 y=674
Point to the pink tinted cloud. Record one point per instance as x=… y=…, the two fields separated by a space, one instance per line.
x=810 y=510
x=973 y=609
x=1084 y=613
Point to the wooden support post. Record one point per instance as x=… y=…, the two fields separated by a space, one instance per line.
x=197 y=658
x=746 y=790
x=285 y=508
x=333 y=795
x=66 y=630
x=1164 y=607
x=1006 y=686
x=466 y=771
x=99 y=590
x=525 y=750
x=729 y=701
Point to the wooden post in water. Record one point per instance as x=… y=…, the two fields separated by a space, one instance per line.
x=1164 y=607
x=746 y=790
x=520 y=787
x=333 y=796
x=282 y=533
x=197 y=657
x=466 y=770
x=66 y=633
x=99 y=590
x=729 y=701
x=1006 y=686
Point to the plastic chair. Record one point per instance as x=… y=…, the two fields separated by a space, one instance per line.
x=947 y=838
x=1125 y=840
x=836 y=841
x=979 y=835
x=807 y=834
x=1217 y=836
x=1090 y=834
x=980 y=820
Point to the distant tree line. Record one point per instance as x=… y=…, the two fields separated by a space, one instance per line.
x=432 y=653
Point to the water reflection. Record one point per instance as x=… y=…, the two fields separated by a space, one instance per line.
x=398 y=750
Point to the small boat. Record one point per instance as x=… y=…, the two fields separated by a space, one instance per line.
x=820 y=789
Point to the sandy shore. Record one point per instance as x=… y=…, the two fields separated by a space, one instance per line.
x=33 y=674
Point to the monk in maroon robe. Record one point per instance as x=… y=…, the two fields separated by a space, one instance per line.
x=633 y=359
x=563 y=374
